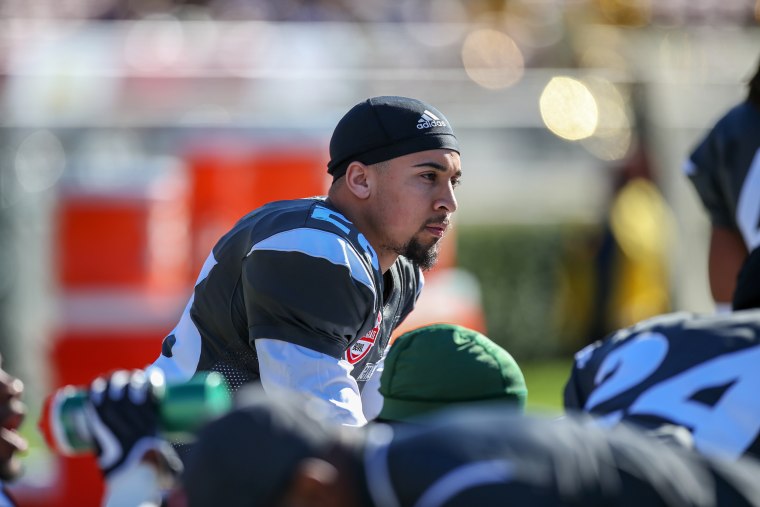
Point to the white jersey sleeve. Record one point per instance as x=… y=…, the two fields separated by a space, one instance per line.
x=287 y=367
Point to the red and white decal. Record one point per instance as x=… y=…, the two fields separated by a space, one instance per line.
x=361 y=347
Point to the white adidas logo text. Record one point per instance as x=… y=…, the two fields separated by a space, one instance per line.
x=428 y=120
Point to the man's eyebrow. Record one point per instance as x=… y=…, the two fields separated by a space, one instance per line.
x=437 y=167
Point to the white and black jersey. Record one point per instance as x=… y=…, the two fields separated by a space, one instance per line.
x=700 y=372
x=296 y=271
x=725 y=170
x=490 y=457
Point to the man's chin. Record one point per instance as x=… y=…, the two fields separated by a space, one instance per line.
x=425 y=259
x=423 y=254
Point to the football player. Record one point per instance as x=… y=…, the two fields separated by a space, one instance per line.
x=693 y=378
x=725 y=170
x=304 y=294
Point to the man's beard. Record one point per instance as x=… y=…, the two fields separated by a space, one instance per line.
x=423 y=256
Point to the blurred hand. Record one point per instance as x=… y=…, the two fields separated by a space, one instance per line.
x=12 y=412
x=123 y=419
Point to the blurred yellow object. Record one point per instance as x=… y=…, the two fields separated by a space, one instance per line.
x=631 y=13
x=616 y=274
x=642 y=224
x=639 y=219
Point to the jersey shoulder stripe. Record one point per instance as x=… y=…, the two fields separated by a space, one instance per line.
x=319 y=244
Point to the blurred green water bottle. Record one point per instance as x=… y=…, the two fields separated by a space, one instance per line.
x=182 y=409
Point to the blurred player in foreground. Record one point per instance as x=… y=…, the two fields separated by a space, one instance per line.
x=287 y=452
x=693 y=377
x=442 y=365
x=725 y=171
x=427 y=369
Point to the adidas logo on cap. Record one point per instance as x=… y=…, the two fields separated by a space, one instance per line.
x=428 y=120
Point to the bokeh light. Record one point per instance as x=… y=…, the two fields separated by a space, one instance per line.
x=492 y=59
x=613 y=135
x=39 y=161
x=568 y=108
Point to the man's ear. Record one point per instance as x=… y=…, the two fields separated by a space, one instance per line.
x=358 y=179
x=314 y=482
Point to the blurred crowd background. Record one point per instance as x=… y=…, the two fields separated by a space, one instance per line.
x=132 y=133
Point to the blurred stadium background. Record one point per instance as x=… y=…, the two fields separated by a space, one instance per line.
x=134 y=132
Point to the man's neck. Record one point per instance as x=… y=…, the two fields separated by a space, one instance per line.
x=385 y=258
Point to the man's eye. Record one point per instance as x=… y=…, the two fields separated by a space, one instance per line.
x=429 y=176
x=456 y=182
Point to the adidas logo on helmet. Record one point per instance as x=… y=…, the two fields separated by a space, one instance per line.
x=428 y=120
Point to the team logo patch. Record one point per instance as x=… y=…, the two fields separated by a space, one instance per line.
x=361 y=347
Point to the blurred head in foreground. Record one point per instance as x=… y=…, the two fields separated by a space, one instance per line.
x=440 y=365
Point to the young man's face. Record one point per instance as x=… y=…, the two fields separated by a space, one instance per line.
x=412 y=204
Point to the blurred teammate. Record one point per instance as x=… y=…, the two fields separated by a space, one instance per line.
x=304 y=294
x=287 y=451
x=12 y=412
x=693 y=377
x=443 y=365
x=488 y=456
x=725 y=170
x=427 y=369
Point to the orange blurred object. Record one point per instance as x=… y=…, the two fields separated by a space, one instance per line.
x=227 y=182
x=127 y=258
x=452 y=296
x=135 y=238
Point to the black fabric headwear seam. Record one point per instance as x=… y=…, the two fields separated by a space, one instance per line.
x=356 y=156
x=388 y=137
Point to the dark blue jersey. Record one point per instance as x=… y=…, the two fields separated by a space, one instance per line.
x=470 y=456
x=296 y=271
x=725 y=170
x=490 y=457
x=695 y=371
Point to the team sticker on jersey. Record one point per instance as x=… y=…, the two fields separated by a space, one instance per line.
x=361 y=347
